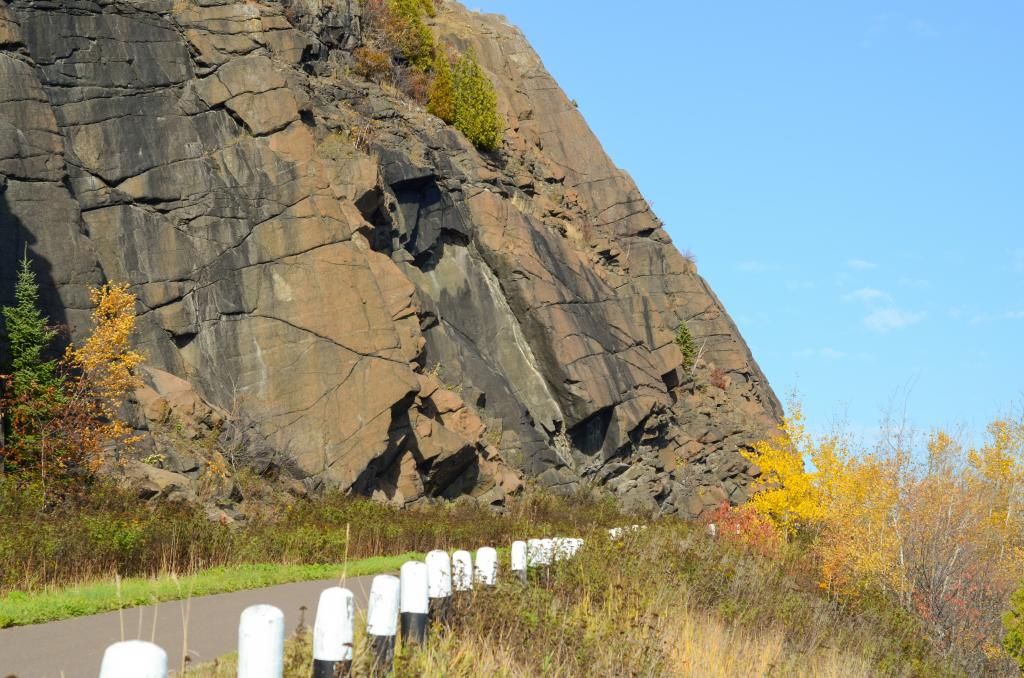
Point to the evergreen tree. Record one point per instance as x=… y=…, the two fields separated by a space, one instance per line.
x=687 y=346
x=441 y=101
x=476 y=104
x=34 y=386
x=28 y=336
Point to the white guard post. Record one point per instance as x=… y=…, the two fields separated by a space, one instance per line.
x=462 y=571
x=382 y=620
x=519 y=560
x=534 y=549
x=333 y=633
x=439 y=586
x=486 y=566
x=261 y=642
x=134 y=659
x=414 y=604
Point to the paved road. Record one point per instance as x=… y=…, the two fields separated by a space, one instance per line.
x=73 y=648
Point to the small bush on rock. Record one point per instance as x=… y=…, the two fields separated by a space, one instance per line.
x=687 y=346
x=372 y=64
x=410 y=33
x=441 y=98
x=476 y=104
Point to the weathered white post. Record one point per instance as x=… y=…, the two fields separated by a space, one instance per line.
x=566 y=548
x=415 y=602
x=534 y=550
x=333 y=633
x=134 y=659
x=382 y=620
x=487 y=565
x=261 y=642
x=519 y=560
x=462 y=571
x=439 y=586
x=547 y=551
x=559 y=549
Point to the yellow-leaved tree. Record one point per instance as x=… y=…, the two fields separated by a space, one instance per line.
x=100 y=373
x=939 y=531
x=789 y=496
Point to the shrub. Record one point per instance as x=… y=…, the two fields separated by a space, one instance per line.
x=372 y=64
x=744 y=526
x=410 y=34
x=416 y=85
x=476 y=104
x=719 y=379
x=687 y=346
x=441 y=97
x=1013 y=623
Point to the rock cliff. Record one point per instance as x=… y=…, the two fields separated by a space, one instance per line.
x=345 y=286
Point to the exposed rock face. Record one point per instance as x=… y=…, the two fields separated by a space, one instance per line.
x=366 y=299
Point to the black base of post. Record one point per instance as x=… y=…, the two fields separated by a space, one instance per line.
x=521 y=576
x=440 y=610
x=383 y=649
x=414 y=627
x=323 y=668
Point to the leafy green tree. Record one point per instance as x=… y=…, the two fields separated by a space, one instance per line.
x=441 y=98
x=1013 y=622
x=476 y=104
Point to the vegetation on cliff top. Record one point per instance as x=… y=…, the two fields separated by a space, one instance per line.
x=401 y=48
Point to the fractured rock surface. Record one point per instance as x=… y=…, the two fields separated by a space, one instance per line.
x=363 y=298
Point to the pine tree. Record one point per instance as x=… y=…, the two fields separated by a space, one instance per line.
x=441 y=101
x=28 y=336
x=34 y=387
x=687 y=346
x=476 y=104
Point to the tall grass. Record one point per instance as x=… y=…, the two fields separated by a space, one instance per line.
x=104 y=530
x=667 y=601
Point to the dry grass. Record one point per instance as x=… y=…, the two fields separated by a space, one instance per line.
x=668 y=601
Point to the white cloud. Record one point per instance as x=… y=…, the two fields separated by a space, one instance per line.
x=866 y=295
x=794 y=285
x=986 y=317
x=827 y=353
x=923 y=28
x=914 y=283
x=753 y=267
x=861 y=264
x=886 y=319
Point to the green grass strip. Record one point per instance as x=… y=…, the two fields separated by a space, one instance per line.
x=20 y=609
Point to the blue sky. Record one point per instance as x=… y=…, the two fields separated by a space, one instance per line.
x=850 y=177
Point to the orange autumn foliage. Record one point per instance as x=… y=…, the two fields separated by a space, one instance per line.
x=100 y=373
